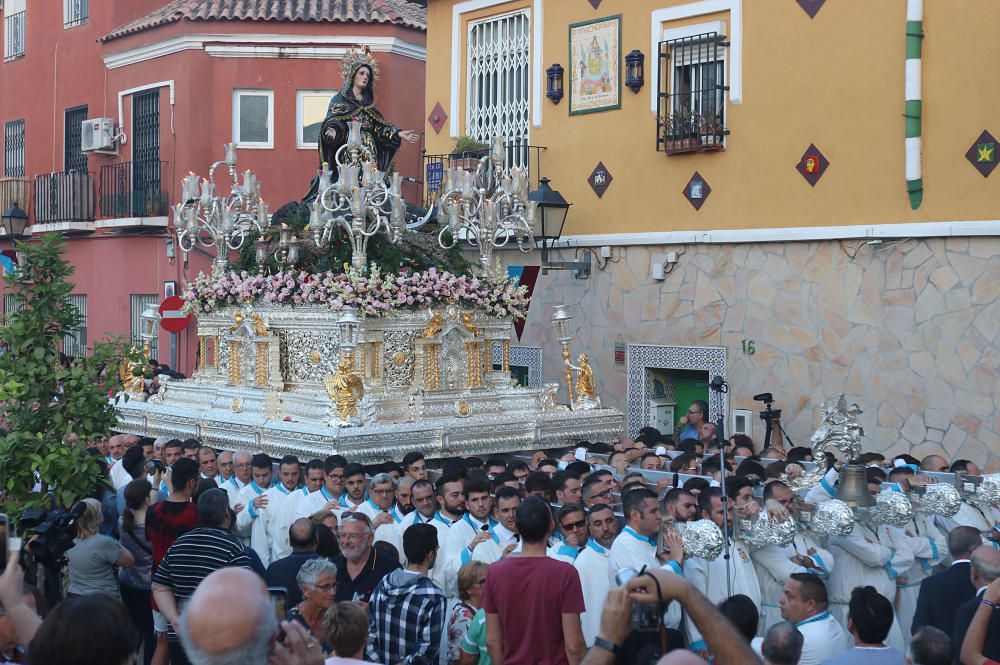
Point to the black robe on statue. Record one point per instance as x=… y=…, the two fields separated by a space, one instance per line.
x=380 y=137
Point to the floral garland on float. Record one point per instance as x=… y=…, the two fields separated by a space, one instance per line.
x=371 y=292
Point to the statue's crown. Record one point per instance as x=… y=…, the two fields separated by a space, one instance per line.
x=355 y=57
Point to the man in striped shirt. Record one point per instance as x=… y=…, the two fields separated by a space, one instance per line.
x=192 y=558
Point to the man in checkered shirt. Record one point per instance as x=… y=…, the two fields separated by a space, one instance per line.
x=407 y=612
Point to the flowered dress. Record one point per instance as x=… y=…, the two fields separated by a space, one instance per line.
x=458 y=625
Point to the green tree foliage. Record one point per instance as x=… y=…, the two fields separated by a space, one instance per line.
x=52 y=409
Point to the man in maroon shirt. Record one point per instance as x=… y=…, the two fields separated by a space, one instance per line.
x=166 y=521
x=533 y=603
x=172 y=518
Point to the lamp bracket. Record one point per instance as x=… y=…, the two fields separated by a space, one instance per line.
x=582 y=266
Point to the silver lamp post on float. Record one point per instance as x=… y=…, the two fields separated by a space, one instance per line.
x=356 y=203
x=205 y=217
x=486 y=207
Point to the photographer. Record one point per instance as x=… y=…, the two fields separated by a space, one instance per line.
x=660 y=587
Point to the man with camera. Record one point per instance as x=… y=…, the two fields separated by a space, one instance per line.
x=659 y=588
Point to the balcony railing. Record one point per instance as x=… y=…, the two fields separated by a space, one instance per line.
x=15 y=190
x=133 y=189
x=64 y=197
x=13 y=36
x=435 y=166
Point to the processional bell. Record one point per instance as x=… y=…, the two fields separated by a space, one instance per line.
x=853 y=488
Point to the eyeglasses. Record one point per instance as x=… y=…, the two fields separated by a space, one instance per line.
x=383 y=492
x=574 y=525
x=352 y=536
x=325 y=587
x=605 y=494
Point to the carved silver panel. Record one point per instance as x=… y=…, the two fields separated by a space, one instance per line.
x=397 y=358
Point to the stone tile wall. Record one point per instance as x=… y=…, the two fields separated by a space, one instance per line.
x=908 y=329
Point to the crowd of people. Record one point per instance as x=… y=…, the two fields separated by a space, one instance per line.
x=203 y=556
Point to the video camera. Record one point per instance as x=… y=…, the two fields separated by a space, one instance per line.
x=768 y=414
x=54 y=531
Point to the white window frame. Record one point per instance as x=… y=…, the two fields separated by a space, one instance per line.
x=300 y=112
x=470 y=27
x=659 y=18
x=75 y=12
x=238 y=94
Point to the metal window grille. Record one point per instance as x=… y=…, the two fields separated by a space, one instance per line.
x=13 y=150
x=75 y=12
x=138 y=304
x=74 y=159
x=13 y=35
x=75 y=342
x=499 y=59
x=12 y=304
x=691 y=115
x=146 y=168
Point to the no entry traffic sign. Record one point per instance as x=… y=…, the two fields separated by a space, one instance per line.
x=172 y=319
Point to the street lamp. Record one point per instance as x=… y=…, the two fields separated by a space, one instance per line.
x=550 y=217
x=14 y=221
x=149 y=320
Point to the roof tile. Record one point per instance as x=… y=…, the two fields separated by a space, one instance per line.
x=400 y=12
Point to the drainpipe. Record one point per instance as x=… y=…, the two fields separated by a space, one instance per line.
x=913 y=113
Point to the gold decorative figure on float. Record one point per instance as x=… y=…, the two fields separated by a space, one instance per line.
x=345 y=389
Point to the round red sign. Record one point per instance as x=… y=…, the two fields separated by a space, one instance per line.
x=172 y=318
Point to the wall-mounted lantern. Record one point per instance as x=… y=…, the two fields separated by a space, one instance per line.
x=554 y=83
x=634 y=74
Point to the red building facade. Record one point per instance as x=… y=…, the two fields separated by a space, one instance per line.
x=178 y=80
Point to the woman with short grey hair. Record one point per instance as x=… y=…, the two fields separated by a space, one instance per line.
x=318 y=580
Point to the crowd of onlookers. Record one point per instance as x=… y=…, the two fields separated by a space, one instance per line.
x=188 y=554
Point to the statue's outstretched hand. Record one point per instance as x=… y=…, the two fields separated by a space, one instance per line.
x=409 y=135
x=331 y=133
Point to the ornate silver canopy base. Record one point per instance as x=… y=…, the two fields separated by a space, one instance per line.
x=429 y=385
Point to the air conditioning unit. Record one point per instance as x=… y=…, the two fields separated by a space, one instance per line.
x=97 y=135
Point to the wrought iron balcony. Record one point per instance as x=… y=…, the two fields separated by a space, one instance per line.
x=66 y=199
x=13 y=36
x=134 y=190
x=434 y=166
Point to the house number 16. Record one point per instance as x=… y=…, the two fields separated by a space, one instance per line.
x=749 y=348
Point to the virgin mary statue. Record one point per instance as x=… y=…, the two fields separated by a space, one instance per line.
x=356 y=100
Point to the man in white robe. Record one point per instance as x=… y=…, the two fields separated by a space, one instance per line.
x=804 y=602
x=251 y=527
x=710 y=577
x=592 y=565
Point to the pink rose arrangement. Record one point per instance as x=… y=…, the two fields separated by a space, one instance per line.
x=371 y=292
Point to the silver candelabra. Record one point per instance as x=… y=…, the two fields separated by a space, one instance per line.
x=208 y=218
x=356 y=203
x=486 y=207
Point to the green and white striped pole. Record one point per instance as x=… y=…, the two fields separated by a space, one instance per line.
x=914 y=39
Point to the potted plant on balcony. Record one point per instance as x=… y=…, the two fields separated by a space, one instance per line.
x=681 y=131
x=467 y=152
x=156 y=204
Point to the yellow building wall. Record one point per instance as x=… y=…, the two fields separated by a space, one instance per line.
x=835 y=80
